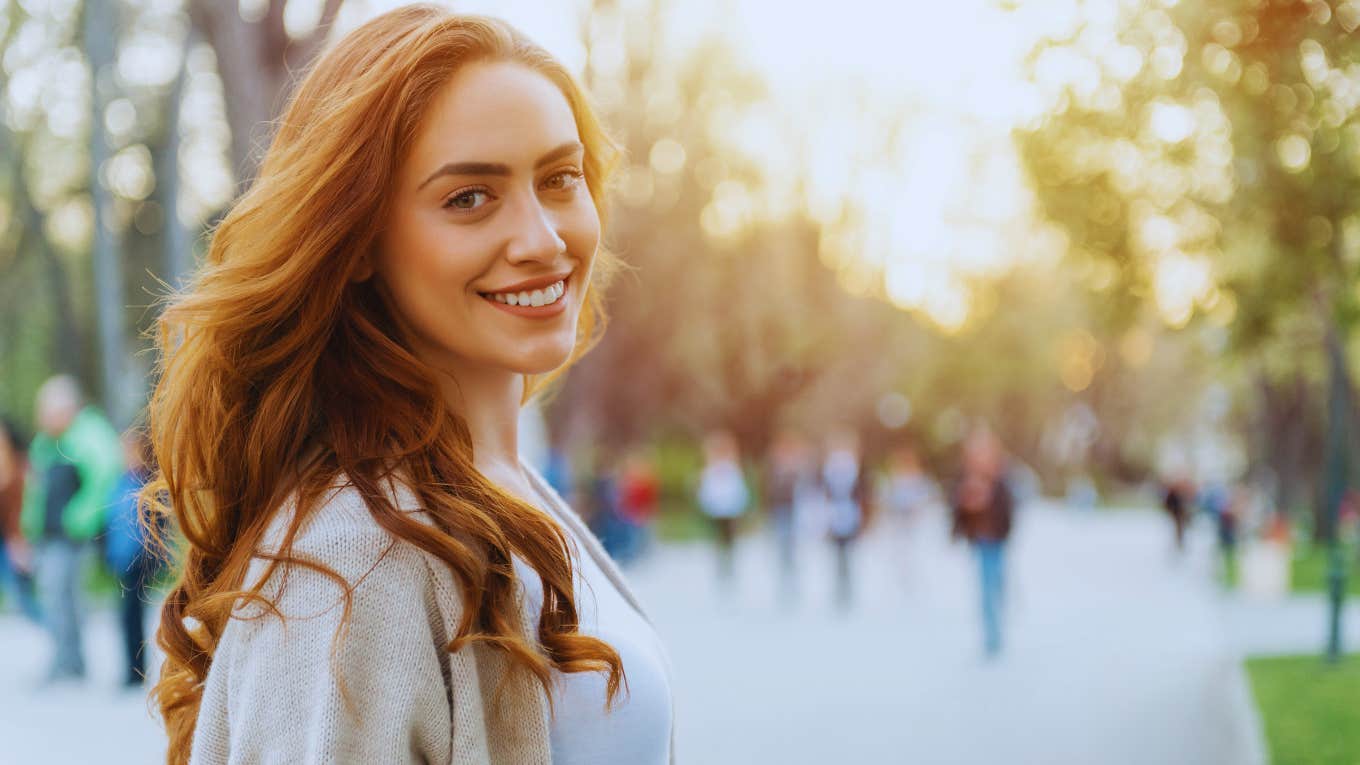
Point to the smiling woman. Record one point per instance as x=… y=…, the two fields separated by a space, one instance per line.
x=508 y=219
x=370 y=573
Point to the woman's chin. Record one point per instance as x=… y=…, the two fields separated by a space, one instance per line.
x=542 y=360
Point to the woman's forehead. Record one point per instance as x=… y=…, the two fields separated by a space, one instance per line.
x=495 y=112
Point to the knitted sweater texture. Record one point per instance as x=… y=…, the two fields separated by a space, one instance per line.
x=374 y=685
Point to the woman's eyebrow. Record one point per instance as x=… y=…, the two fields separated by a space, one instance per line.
x=495 y=168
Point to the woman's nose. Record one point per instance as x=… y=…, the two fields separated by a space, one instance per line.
x=534 y=235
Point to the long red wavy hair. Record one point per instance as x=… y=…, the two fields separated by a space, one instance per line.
x=279 y=374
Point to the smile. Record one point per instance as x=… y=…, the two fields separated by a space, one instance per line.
x=536 y=298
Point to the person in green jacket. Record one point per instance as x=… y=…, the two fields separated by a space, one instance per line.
x=74 y=463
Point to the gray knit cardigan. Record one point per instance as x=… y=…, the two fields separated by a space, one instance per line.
x=384 y=691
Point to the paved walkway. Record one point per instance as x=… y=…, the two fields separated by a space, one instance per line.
x=1117 y=653
x=96 y=723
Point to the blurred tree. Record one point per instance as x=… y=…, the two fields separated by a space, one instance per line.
x=1225 y=156
x=91 y=204
x=101 y=29
x=257 y=58
x=1203 y=159
x=1296 y=126
x=40 y=331
x=724 y=315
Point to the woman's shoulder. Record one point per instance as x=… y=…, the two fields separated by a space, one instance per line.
x=339 y=513
x=340 y=534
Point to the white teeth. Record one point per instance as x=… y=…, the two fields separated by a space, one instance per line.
x=541 y=297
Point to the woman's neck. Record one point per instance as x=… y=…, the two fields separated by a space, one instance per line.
x=489 y=402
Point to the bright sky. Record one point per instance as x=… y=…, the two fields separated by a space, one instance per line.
x=947 y=200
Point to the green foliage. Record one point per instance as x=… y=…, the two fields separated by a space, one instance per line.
x=26 y=332
x=1309 y=709
x=677 y=463
x=1232 y=146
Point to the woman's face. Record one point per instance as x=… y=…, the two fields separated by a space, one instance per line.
x=492 y=232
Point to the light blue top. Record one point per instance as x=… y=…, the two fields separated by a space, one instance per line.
x=638 y=730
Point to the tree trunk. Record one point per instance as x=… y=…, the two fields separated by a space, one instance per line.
x=178 y=256
x=1339 y=408
x=68 y=347
x=255 y=60
x=101 y=37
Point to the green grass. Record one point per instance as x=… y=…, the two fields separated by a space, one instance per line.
x=682 y=521
x=1310 y=709
x=1308 y=571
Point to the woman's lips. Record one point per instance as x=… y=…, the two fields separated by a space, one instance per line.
x=537 y=303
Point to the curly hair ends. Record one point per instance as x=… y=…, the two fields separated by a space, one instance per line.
x=279 y=374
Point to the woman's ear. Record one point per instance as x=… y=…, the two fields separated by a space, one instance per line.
x=363 y=269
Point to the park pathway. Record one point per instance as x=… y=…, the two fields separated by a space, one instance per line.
x=1117 y=653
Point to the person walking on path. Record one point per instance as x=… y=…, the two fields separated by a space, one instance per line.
x=74 y=463
x=846 y=486
x=131 y=549
x=787 y=472
x=906 y=491
x=723 y=496
x=639 y=500
x=983 y=509
x=1176 y=502
x=16 y=556
x=370 y=573
x=906 y=494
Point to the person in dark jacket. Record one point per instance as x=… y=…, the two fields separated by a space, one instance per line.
x=983 y=508
x=1176 y=502
x=130 y=549
x=787 y=472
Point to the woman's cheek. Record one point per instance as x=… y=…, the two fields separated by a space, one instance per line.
x=586 y=233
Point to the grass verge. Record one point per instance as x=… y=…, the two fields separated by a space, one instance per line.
x=1308 y=708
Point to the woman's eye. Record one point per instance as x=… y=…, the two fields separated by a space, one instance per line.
x=563 y=180
x=470 y=199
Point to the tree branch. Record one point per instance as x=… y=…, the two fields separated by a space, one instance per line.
x=275 y=33
x=300 y=52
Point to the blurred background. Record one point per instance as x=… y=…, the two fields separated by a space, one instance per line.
x=981 y=390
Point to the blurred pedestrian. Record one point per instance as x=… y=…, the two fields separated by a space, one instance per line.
x=602 y=503
x=846 y=487
x=983 y=510
x=74 y=464
x=1176 y=502
x=906 y=494
x=16 y=556
x=786 y=472
x=906 y=491
x=1082 y=492
x=639 y=499
x=557 y=471
x=132 y=550
x=723 y=495
x=1229 y=514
